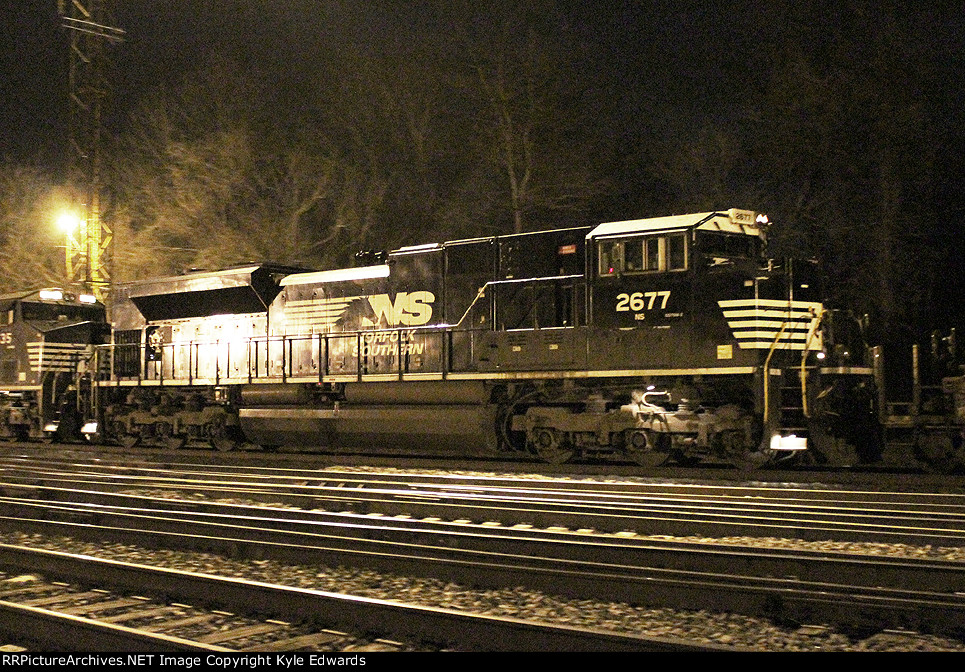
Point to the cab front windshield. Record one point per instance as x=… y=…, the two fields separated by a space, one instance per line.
x=54 y=312
x=728 y=245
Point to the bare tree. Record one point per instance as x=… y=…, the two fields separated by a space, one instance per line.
x=845 y=134
x=525 y=96
x=835 y=139
x=206 y=182
x=31 y=246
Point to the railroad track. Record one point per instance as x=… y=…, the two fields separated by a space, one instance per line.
x=653 y=508
x=125 y=516
x=911 y=594
x=81 y=603
x=887 y=475
x=467 y=529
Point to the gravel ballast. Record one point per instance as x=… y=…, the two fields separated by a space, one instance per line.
x=697 y=626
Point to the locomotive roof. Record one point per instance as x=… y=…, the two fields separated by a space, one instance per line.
x=16 y=296
x=746 y=222
x=338 y=275
x=230 y=275
x=68 y=296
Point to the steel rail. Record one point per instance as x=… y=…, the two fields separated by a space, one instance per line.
x=66 y=632
x=720 y=591
x=760 y=484
x=707 y=516
x=297 y=458
x=946 y=509
x=314 y=527
x=418 y=623
x=278 y=480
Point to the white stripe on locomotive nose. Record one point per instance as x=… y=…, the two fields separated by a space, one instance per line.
x=773 y=314
x=792 y=336
x=766 y=345
x=54 y=356
x=757 y=324
x=767 y=303
x=766 y=324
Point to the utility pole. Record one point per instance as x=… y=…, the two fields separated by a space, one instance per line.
x=89 y=250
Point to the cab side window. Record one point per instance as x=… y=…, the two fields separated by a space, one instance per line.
x=648 y=254
x=642 y=254
x=677 y=252
x=611 y=257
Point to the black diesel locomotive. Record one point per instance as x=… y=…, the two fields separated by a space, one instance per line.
x=645 y=340
x=47 y=340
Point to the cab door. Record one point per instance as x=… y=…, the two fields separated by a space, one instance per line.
x=641 y=302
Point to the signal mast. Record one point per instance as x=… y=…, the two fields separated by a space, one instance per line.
x=89 y=248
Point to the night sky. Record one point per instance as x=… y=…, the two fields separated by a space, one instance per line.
x=685 y=51
x=686 y=56
x=690 y=53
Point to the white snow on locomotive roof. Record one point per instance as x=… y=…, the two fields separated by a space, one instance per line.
x=730 y=221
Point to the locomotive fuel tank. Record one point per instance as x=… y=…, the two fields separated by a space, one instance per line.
x=448 y=417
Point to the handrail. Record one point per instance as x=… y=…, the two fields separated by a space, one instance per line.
x=767 y=371
x=203 y=367
x=812 y=331
x=482 y=290
x=287 y=340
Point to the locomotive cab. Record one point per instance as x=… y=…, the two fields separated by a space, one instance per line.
x=725 y=346
x=655 y=288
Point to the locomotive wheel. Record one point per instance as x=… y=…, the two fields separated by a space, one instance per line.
x=164 y=431
x=549 y=446
x=223 y=438
x=16 y=433
x=750 y=460
x=223 y=444
x=937 y=453
x=641 y=449
x=733 y=445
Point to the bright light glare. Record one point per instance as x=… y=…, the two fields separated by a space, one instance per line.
x=87 y=298
x=68 y=222
x=340 y=275
x=51 y=295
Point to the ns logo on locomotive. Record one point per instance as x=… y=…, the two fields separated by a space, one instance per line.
x=672 y=338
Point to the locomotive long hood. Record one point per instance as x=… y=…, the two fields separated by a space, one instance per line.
x=248 y=289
